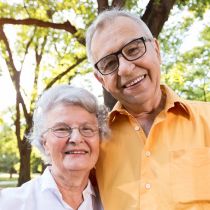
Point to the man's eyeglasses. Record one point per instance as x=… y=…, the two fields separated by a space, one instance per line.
x=64 y=131
x=131 y=51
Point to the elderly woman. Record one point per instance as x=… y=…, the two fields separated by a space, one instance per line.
x=68 y=127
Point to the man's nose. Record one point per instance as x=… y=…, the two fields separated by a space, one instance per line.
x=125 y=66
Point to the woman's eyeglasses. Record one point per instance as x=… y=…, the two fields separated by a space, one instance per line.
x=64 y=131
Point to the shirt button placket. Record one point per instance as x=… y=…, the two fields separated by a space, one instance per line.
x=147 y=186
x=147 y=153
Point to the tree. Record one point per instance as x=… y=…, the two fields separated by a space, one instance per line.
x=186 y=72
x=194 y=66
x=51 y=33
x=36 y=42
x=8 y=149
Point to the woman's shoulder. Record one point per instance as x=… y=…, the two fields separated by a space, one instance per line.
x=15 y=197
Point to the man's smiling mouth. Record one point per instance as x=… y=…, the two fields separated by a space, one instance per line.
x=134 y=82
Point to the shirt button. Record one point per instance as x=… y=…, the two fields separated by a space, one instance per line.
x=147 y=153
x=147 y=186
x=136 y=128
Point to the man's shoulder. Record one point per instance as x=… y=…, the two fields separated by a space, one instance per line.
x=199 y=107
x=198 y=104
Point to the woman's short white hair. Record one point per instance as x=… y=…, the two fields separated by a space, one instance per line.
x=66 y=95
x=107 y=17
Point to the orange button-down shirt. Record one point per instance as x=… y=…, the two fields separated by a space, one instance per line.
x=168 y=170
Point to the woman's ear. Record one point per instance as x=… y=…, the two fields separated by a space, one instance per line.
x=45 y=145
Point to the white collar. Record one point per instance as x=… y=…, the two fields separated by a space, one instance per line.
x=48 y=183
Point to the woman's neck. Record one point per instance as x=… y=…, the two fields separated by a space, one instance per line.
x=71 y=185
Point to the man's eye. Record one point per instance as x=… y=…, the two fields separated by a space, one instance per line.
x=109 y=64
x=132 y=51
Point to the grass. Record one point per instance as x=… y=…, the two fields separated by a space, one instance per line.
x=5 y=177
x=6 y=181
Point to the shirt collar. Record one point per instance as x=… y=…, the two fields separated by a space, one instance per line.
x=48 y=183
x=172 y=101
x=89 y=190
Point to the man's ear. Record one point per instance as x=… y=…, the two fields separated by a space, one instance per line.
x=157 y=49
x=99 y=77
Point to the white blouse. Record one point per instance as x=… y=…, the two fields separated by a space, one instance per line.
x=42 y=193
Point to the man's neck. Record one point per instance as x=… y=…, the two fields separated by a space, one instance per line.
x=147 y=113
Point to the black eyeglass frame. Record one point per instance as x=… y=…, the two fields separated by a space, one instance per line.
x=120 y=52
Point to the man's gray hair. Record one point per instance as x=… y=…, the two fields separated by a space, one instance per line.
x=107 y=17
x=66 y=95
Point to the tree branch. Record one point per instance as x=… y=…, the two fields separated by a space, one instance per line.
x=157 y=12
x=17 y=123
x=204 y=89
x=118 y=3
x=38 y=56
x=26 y=50
x=80 y=60
x=14 y=74
x=102 y=5
x=67 y=26
x=9 y=60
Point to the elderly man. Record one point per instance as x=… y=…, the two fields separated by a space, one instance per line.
x=158 y=157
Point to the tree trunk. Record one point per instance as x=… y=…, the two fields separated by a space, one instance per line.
x=156 y=14
x=25 y=152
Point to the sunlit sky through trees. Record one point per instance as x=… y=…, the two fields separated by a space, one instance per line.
x=7 y=93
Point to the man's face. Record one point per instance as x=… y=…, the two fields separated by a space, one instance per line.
x=135 y=82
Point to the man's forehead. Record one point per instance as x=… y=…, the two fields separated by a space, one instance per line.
x=120 y=21
x=110 y=36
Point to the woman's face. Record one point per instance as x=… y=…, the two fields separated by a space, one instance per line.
x=76 y=152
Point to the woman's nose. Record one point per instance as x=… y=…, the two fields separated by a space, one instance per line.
x=75 y=137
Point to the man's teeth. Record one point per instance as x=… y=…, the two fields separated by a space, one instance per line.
x=75 y=152
x=135 y=81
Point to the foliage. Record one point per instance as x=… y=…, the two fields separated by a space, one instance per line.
x=186 y=72
x=44 y=55
x=40 y=54
x=8 y=149
x=196 y=69
x=36 y=162
x=197 y=7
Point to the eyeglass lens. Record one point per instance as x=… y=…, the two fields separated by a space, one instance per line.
x=66 y=131
x=131 y=51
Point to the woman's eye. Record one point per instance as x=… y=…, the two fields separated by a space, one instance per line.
x=61 y=129
x=87 y=129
